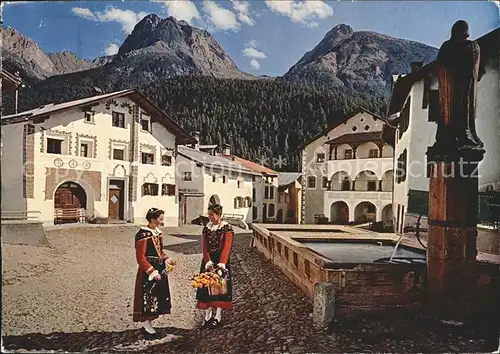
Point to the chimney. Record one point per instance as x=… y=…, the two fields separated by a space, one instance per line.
x=196 y=136
x=416 y=65
x=226 y=149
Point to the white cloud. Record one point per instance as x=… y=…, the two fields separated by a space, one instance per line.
x=182 y=10
x=241 y=7
x=126 y=18
x=112 y=49
x=84 y=13
x=255 y=64
x=251 y=43
x=254 y=53
x=221 y=18
x=301 y=11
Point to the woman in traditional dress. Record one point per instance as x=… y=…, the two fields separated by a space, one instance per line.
x=217 y=239
x=152 y=293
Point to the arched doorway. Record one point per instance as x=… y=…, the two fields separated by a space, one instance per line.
x=339 y=213
x=387 y=213
x=70 y=203
x=279 y=216
x=364 y=212
x=214 y=199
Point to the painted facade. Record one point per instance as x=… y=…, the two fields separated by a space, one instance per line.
x=347 y=172
x=116 y=155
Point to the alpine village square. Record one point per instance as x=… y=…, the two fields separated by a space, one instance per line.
x=221 y=176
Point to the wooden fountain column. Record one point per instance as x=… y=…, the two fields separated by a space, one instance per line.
x=453 y=191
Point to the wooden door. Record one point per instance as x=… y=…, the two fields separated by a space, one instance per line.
x=343 y=213
x=280 y=216
x=182 y=209
x=114 y=203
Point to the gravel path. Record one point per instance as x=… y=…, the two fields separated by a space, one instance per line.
x=270 y=315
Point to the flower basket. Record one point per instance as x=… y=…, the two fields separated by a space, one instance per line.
x=215 y=280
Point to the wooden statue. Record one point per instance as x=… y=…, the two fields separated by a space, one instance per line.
x=458 y=74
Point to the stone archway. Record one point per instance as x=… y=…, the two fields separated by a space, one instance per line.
x=214 y=199
x=72 y=201
x=339 y=212
x=365 y=211
x=387 y=213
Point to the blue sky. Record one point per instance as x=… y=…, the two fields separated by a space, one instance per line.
x=262 y=37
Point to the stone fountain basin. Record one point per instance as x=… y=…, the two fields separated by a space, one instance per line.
x=354 y=261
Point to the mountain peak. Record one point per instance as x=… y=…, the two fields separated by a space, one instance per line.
x=341 y=29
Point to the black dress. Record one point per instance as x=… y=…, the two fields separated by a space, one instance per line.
x=217 y=241
x=151 y=297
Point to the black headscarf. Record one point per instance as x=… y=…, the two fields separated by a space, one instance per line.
x=154 y=213
x=215 y=208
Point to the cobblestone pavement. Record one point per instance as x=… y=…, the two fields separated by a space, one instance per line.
x=270 y=315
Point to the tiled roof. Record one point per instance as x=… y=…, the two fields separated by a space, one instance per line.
x=134 y=95
x=285 y=178
x=251 y=165
x=212 y=161
x=356 y=138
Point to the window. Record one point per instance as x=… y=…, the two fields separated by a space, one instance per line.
x=373 y=153
x=270 y=210
x=166 y=160
x=347 y=154
x=320 y=157
x=254 y=213
x=401 y=167
x=224 y=179
x=145 y=125
x=236 y=203
x=147 y=158
x=346 y=185
x=54 y=146
x=287 y=198
x=88 y=116
x=187 y=176
x=266 y=192
x=118 y=154
x=150 y=189
x=325 y=183
x=405 y=117
x=311 y=182
x=372 y=185
x=254 y=192
x=84 y=149
x=168 y=189
x=118 y=119
x=238 y=183
x=433 y=114
x=271 y=192
x=214 y=178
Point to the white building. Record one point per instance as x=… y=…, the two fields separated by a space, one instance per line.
x=411 y=129
x=265 y=189
x=110 y=156
x=348 y=172
x=205 y=179
x=289 y=197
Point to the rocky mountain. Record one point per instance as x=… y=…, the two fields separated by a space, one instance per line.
x=361 y=60
x=20 y=53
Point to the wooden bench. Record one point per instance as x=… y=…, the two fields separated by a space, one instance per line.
x=78 y=214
